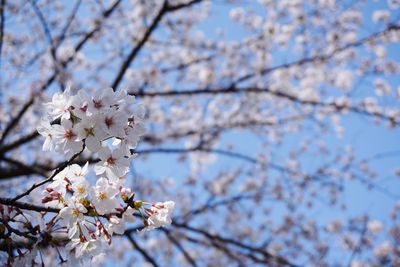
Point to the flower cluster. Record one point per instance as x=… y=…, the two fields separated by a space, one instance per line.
x=90 y=120
x=105 y=125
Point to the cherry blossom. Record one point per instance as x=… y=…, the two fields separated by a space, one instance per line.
x=91 y=132
x=104 y=196
x=113 y=123
x=375 y=226
x=66 y=138
x=160 y=214
x=118 y=225
x=102 y=101
x=114 y=163
x=80 y=187
x=46 y=130
x=60 y=106
x=72 y=213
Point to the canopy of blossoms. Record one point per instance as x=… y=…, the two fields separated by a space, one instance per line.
x=273 y=125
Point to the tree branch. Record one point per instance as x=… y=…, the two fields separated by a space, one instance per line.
x=57 y=171
x=144 y=253
x=14 y=121
x=137 y=48
x=258 y=90
x=263 y=252
x=24 y=168
x=2 y=21
x=174 y=241
x=134 y=52
x=26 y=206
x=49 y=81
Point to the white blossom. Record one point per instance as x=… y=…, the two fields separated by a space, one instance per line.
x=118 y=225
x=114 y=163
x=66 y=138
x=60 y=105
x=104 y=196
x=102 y=101
x=72 y=213
x=83 y=247
x=382 y=87
x=380 y=16
x=383 y=249
x=375 y=226
x=160 y=215
x=91 y=132
x=46 y=131
x=81 y=187
x=113 y=123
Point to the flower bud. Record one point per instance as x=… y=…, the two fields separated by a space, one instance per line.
x=49 y=189
x=47 y=199
x=137 y=204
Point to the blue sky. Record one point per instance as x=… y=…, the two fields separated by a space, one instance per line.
x=361 y=132
x=367 y=138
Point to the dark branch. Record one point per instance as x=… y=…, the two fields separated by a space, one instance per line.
x=14 y=121
x=179 y=246
x=257 y=90
x=71 y=18
x=153 y=26
x=57 y=171
x=26 y=206
x=233 y=242
x=24 y=168
x=2 y=21
x=144 y=253
x=51 y=79
x=138 y=47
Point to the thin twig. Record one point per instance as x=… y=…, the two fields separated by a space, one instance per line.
x=174 y=241
x=26 y=206
x=265 y=253
x=2 y=21
x=57 y=171
x=50 y=80
x=144 y=253
x=153 y=26
x=125 y=65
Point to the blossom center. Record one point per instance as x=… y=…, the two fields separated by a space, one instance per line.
x=84 y=108
x=97 y=104
x=111 y=161
x=69 y=134
x=75 y=212
x=81 y=189
x=109 y=121
x=102 y=196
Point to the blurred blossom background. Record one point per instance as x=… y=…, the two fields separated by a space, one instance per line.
x=274 y=126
